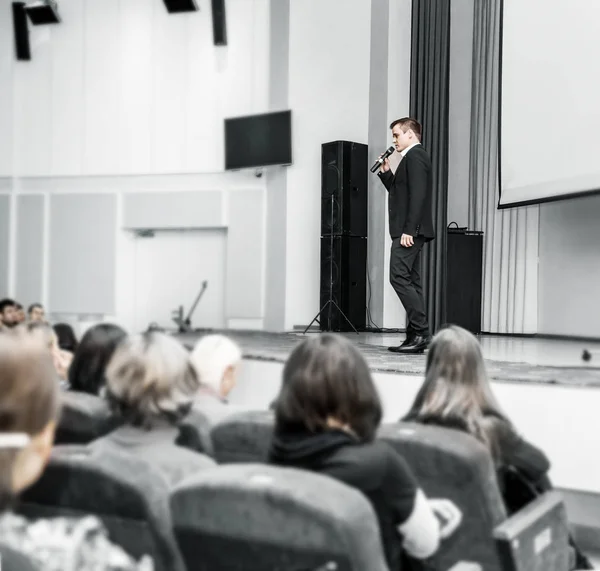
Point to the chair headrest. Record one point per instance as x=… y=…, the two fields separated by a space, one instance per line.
x=286 y=507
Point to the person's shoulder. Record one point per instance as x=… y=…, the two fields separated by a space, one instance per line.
x=419 y=153
x=378 y=457
x=190 y=456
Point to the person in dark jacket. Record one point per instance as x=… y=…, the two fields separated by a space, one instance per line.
x=410 y=191
x=326 y=416
x=457 y=394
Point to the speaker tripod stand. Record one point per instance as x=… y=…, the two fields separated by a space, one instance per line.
x=330 y=302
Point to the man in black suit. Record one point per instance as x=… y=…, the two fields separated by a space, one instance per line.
x=411 y=225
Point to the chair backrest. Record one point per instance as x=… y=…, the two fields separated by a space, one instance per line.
x=536 y=538
x=130 y=498
x=13 y=560
x=195 y=433
x=244 y=437
x=454 y=465
x=255 y=517
x=83 y=418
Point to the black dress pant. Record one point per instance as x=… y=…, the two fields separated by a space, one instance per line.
x=405 y=277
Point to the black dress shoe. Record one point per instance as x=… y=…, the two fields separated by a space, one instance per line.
x=418 y=345
x=409 y=339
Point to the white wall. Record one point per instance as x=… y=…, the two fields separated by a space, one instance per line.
x=459 y=119
x=569 y=267
x=123 y=98
x=399 y=46
x=329 y=96
x=122 y=87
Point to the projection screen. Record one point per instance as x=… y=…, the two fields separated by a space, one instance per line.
x=550 y=100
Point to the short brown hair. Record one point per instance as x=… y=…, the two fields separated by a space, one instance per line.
x=29 y=397
x=327 y=377
x=407 y=123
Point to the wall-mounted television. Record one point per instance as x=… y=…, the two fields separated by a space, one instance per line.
x=258 y=140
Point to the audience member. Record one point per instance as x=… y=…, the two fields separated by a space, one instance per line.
x=327 y=414
x=216 y=359
x=151 y=385
x=45 y=333
x=8 y=312
x=29 y=408
x=92 y=355
x=457 y=394
x=36 y=312
x=67 y=340
x=19 y=313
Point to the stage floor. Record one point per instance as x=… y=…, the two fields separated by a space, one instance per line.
x=508 y=359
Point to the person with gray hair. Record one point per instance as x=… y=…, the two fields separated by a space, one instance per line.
x=216 y=360
x=151 y=385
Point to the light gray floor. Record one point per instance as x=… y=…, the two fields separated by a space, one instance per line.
x=530 y=350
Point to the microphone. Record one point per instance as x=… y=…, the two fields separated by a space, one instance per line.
x=382 y=158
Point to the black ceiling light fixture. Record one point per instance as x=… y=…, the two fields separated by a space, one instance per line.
x=177 y=6
x=42 y=12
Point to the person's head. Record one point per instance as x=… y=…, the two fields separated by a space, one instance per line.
x=8 y=312
x=29 y=408
x=19 y=313
x=216 y=359
x=456 y=382
x=405 y=132
x=96 y=348
x=44 y=333
x=36 y=312
x=67 y=339
x=150 y=380
x=327 y=384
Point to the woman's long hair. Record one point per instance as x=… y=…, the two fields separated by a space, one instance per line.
x=457 y=390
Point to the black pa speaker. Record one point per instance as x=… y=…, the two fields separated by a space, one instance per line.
x=464 y=279
x=176 y=6
x=344 y=198
x=343 y=281
x=22 y=49
x=219 y=23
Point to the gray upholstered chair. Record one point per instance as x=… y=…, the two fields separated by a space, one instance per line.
x=195 y=433
x=243 y=437
x=129 y=497
x=451 y=464
x=536 y=538
x=255 y=517
x=83 y=418
x=13 y=560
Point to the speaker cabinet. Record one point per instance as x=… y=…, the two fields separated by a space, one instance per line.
x=344 y=202
x=176 y=6
x=22 y=49
x=343 y=281
x=219 y=23
x=464 y=278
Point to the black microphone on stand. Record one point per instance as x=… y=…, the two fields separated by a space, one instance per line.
x=382 y=158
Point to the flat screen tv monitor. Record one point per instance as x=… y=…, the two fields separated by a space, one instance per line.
x=258 y=140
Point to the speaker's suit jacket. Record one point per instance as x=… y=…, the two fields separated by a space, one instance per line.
x=410 y=195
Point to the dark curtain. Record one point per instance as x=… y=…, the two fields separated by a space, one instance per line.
x=429 y=89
